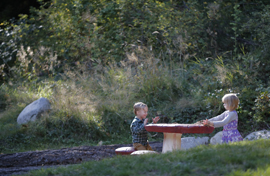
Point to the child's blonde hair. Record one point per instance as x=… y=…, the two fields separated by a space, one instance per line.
x=231 y=100
x=137 y=106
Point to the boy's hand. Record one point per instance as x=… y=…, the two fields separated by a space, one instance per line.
x=145 y=121
x=156 y=119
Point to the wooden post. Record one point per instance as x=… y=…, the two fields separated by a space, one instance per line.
x=171 y=141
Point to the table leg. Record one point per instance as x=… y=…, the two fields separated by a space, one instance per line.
x=171 y=141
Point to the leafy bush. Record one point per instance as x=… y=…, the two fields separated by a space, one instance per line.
x=3 y=99
x=262 y=107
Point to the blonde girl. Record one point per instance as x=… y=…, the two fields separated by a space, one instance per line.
x=228 y=119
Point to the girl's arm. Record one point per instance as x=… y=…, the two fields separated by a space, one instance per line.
x=218 y=118
x=231 y=116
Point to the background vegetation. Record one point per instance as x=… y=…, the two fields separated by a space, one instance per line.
x=94 y=59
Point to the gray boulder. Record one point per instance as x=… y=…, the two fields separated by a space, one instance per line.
x=217 y=139
x=190 y=142
x=33 y=111
x=264 y=134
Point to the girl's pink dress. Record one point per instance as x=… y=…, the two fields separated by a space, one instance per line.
x=230 y=132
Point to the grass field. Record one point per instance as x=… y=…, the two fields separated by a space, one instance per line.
x=243 y=158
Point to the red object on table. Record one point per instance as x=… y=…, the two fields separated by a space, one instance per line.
x=179 y=128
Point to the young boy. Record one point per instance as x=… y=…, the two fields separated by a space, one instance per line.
x=139 y=134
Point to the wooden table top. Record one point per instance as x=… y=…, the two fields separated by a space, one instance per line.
x=179 y=128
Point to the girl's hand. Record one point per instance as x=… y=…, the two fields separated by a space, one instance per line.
x=207 y=123
x=199 y=122
x=156 y=119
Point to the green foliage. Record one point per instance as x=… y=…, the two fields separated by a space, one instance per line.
x=3 y=99
x=235 y=27
x=188 y=115
x=8 y=10
x=246 y=122
x=104 y=31
x=259 y=35
x=262 y=107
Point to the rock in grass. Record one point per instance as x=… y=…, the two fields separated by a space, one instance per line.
x=191 y=142
x=33 y=111
x=217 y=139
x=263 y=134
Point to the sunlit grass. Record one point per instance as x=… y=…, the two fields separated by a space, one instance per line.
x=260 y=171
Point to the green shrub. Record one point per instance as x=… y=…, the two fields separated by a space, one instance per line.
x=262 y=107
x=3 y=99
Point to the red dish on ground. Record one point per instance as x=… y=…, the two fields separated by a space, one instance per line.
x=179 y=128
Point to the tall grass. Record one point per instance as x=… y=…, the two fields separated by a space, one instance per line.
x=109 y=92
x=93 y=104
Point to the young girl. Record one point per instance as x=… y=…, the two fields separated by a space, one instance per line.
x=228 y=119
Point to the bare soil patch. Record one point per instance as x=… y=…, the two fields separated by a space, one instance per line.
x=18 y=163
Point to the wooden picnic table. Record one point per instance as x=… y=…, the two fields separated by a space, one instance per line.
x=173 y=133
